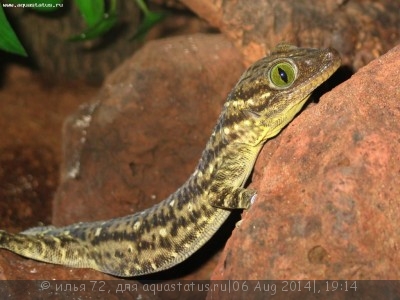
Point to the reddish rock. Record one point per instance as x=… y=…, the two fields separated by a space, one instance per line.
x=360 y=30
x=28 y=179
x=144 y=133
x=328 y=189
x=32 y=112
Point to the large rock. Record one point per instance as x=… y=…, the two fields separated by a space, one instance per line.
x=328 y=201
x=144 y=133
x=360 y=30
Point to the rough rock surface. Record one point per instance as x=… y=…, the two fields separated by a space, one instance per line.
x=28 y=176
x=31 y=116
x=328 y=189
x=361 y=30
x=140 y=139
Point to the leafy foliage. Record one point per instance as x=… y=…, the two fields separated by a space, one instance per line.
x=8 y=40
x=98 y=16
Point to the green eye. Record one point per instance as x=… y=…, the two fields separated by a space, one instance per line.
x=282 y=75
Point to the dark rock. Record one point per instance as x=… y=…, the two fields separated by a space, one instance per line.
x=28 y=179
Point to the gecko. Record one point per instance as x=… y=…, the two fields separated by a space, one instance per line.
x=265 y=99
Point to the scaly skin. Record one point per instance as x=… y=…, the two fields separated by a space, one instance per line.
x=266 y=98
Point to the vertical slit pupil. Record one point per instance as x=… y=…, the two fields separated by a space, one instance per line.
x=283 y=75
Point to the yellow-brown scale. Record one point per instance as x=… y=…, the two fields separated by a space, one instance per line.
x=267 y=97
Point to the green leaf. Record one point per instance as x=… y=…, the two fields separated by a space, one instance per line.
x=41 y=6
x=142 y=6
x=97 y=30
x=91 y=10
x=8 y=40
x=99 y=21
x=150 y=19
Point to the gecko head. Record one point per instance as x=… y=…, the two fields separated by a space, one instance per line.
x=274 y=89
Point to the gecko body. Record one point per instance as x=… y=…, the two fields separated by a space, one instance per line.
x=264 y=100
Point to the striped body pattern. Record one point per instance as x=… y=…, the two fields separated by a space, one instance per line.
x=264 y=100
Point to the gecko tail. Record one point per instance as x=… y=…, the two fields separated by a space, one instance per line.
x=62 y=250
